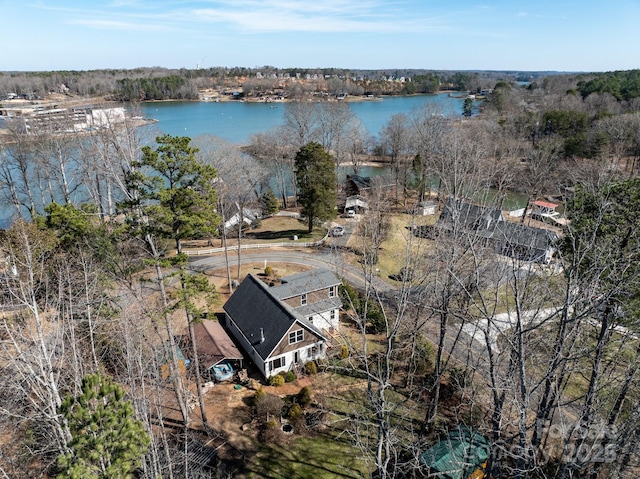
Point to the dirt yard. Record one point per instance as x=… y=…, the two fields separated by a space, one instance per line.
x=229 y=409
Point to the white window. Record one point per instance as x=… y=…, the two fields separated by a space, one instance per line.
x=332 y=314
x=296 y=336
x=303 y=299
x=332 y=291
x=277 y=363
x=310 y=319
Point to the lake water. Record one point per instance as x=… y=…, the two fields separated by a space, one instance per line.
x=236 y=121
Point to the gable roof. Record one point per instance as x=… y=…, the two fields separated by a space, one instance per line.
x=259 y=314
x=360 y=182
x=488 y=223
x=518 y=234
x=468 y=215
x=213 y=343
x=304 y=282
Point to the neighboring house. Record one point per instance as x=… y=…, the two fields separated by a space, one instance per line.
x=424 y=208
x=457 y=214
x=248 y=217
x=488 y=226
x=280 y=327
x=524 y=242
x=356 y=185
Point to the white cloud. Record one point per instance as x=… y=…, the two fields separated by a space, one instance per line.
x=114 y=25
x=322 y=16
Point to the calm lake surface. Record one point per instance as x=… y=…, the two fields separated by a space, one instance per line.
x=236 y=121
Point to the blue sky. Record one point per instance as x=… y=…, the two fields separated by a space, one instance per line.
x=563 y=35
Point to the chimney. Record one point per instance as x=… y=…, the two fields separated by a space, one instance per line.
x=261 y=335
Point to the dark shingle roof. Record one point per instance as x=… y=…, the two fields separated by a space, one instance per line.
x=305 y=282
x=469 y=216
x=360 y=182
x=517 y=234
x=253 y=308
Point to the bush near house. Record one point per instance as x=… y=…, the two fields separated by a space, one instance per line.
x=277 y=380
x=310 y=368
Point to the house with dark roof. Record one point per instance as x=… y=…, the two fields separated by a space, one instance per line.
x=314 y=295
x=523 y=242
x=356 y=185
x=488 y=227
x=468 y=216
x=282 y=326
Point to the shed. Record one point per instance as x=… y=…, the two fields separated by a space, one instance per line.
x=457 y=456
x=424 y=208
x=214 y=345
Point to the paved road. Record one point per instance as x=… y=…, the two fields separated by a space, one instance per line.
x=326 y=257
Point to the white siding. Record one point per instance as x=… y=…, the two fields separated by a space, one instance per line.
x=324 y=321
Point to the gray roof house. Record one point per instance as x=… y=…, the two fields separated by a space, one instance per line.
x=283 y=326
x=516 y=240
x=468 y=216
x=524 y=242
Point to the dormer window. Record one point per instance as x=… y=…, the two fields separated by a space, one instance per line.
x=303 y=299
x=296 y=336
x=332 y=291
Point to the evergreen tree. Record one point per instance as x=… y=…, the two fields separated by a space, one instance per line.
x=316 y=179
x=269 y=203
x=175 y=190
x=467 y=107
x=107 y=441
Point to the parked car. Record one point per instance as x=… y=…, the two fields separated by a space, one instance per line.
x=337 y=231
x=351 y=213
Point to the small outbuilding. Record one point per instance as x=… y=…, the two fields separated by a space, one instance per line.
x=462 y=454
x=217 y=353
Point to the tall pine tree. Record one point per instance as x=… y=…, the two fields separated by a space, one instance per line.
x=107 y=441
x=316 y=179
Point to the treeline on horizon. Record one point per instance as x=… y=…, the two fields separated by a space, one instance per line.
x=156 y=83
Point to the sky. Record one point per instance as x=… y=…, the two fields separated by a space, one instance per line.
x=533 y=35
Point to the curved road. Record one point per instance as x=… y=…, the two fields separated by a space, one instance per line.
x=321 y=258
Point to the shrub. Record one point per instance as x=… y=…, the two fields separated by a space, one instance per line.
x=276 y=380
x=304 y=396
x=310 y=368
x=268 y=271
x=459 y=379
x=258 y=396
x=272 y=433
x=269 y=405
x=344 y=352
x=289 y=377
x=295 y=411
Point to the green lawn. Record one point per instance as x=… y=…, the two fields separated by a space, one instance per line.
x=320 y=456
